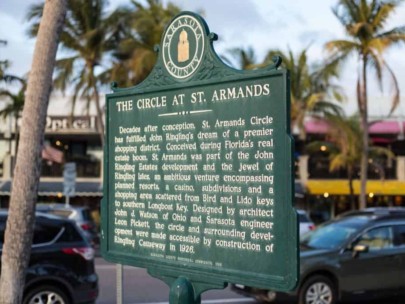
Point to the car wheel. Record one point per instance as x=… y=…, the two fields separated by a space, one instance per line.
x=318 y=290
x=46 y=295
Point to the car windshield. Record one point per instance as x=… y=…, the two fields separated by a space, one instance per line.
x=59 y=212
x=332 y=235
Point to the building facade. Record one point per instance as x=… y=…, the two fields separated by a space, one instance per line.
x=327 y=193
x=67 y=139
x=322 y=193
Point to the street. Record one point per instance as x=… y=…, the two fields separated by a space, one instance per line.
x=141 y=288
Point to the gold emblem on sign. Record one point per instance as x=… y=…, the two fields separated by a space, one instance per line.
x=183 y=48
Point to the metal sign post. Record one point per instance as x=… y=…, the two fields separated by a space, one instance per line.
x=69 y=181
x=198 y=171
x=119 y=276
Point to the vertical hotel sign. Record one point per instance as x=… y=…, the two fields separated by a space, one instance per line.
x=198 y=168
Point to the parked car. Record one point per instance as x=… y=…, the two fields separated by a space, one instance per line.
x=61 y=266
x=306 y=223
x=359 y=255
x=80 y=214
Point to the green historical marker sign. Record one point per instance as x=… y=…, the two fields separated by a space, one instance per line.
x=198 y=173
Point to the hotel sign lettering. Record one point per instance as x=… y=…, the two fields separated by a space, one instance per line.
x=65 y=123
x=198 y=168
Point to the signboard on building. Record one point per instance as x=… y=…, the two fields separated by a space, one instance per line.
x=198 y=175
x=65 y=124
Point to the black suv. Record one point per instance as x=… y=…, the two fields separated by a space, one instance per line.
x=61 y=267
x=358 y=255
x=79 y=214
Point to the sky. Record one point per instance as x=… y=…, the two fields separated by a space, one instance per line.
x=261 y=24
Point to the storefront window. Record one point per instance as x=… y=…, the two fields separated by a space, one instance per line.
x=382 y=168
x=318 y=167
x=379 y=168
x=87 y=157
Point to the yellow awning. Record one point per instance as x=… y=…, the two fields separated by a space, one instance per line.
x=341 y=187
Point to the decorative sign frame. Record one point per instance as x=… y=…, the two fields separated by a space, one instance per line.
x=198 y=169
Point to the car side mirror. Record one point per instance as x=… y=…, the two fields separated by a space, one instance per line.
x=357 y=249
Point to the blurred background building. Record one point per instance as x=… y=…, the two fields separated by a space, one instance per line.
x=327 y=193
x=321 y=192
x=67 y=139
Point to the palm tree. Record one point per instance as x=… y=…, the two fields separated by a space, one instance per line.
x=85 y=36
x=365 y=22
x=245 y=58
x=20 y=223
x=343 y=144
x=7 y=78
x=312 y=88
x=4 y=65
x=344 y=141
x=14 y=108
x=140 y=30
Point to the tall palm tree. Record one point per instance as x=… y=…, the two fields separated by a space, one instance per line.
x=20 y=223
x=245 y=58
x=312 y=87
x=14 y=108
x=3 y=63
x=3 y=67
x=343 y=144
x=140 y=30
x=85 y=37
x=6 y=77
x=365 y=25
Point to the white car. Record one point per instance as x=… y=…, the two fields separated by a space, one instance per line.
x=305 y=222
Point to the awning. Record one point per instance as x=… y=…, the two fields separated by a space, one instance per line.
x=56 y=188
x=386 y=127
x=93 y=188
x=341 y=187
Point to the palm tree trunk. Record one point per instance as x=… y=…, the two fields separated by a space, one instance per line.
x=362 y=99
x=21 y=217
x=99 y=120
x=17 y=135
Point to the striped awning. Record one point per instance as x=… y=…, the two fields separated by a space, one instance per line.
x=56 y=188
x=92 y=188
x=341 y=187
x=386 y=127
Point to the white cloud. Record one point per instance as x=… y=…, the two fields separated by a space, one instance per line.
x=261 y=24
